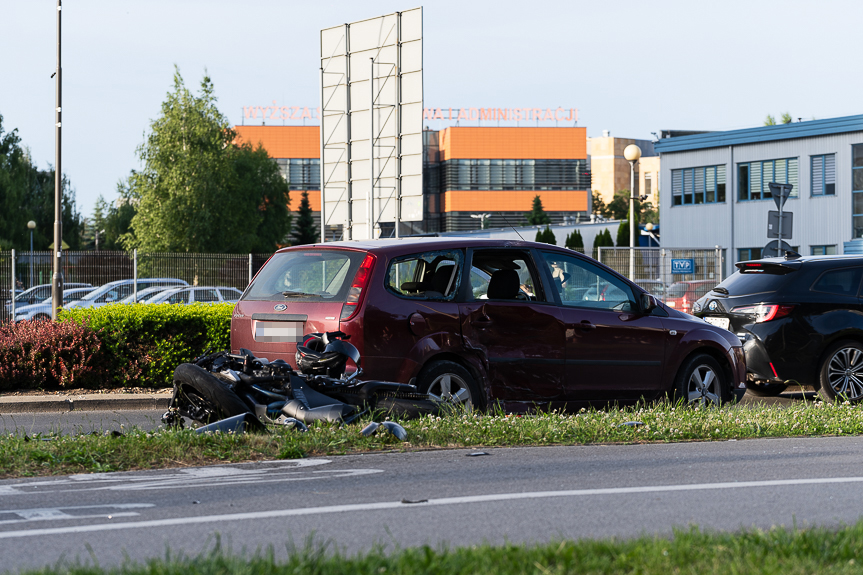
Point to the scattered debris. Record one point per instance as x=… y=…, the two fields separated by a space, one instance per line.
x=477 y=454
x=409 y=502
x=631 y=424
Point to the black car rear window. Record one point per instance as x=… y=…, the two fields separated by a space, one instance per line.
x=306 y=275
x=750 y=283
x=844 y=281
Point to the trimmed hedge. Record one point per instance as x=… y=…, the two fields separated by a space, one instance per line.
x=144 y=343
x=47 y=354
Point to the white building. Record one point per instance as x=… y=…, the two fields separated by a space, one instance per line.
x=716 y=189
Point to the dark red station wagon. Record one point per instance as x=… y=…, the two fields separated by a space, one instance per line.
x=485 y=322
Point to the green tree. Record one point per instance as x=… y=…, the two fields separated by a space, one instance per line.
x=602 y=240
x=574 y=241
x=305 y=232
x=786 y=118
x=598 y=206
x=623 y=232
x=769 y=120
x=27 y=193
x=537 y=216
x=112 y=221
x=199 y=191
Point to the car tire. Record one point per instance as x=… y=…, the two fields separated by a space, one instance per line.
x=765 y=389
x=701 y=381
x=449 y=381
x=841 y=373
x=202 y=397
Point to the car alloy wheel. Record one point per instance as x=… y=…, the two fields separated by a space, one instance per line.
x=701 y=382
x=703 y=386
x=450 y=388
x=844 y=373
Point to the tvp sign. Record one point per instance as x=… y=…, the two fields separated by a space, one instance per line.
x=683 y=266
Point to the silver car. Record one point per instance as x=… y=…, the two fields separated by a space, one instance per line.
x=42 y=310
x=115 y=291
x=198 y=294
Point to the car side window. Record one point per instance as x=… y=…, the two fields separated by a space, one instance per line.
x=206 y=295
x=503 y=274
x=845 y=281
x=582 y=284
x=427 y=275
x=179 y=297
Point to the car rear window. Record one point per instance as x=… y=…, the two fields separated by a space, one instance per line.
x=751 y=283
x=844 y=281
x=306 y=275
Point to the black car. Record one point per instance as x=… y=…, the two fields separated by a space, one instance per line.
x=800 y=320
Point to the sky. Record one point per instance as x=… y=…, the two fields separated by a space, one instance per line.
x=632 y=68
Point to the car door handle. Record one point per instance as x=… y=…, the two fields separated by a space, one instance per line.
x=586 y=325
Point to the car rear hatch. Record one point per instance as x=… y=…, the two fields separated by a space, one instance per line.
x=747 y=296
x=298 y=291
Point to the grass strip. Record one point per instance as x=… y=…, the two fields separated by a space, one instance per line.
x=22 y=456
x=775 y=551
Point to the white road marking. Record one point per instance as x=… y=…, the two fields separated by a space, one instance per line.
x=278 y=513
x=290 y=470
x=69 y=512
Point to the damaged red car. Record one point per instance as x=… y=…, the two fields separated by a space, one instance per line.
x=483 y=322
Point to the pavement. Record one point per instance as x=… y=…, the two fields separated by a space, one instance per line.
x=84 y=402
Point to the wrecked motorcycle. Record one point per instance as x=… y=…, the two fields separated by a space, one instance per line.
x=229 y=392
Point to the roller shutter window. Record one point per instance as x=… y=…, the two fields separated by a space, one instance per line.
x=676 y=187
x=720 y=184
x=754 y=177
x=824 y=175
x=699 y=185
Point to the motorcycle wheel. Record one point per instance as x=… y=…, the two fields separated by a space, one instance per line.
x=201 y=397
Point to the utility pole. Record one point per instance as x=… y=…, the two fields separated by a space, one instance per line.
x=56 y=278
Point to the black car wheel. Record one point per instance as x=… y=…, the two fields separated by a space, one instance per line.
x=201 y=397
x=702 y=382
x=765 y=389
x=842 y=372
x=449 y=382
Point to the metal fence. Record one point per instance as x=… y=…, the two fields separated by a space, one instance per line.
x=99 y=267
x=675 y=275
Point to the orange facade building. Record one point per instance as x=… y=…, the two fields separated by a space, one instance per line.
x=467 y=171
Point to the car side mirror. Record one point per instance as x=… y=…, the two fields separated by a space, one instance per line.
x=648 y=303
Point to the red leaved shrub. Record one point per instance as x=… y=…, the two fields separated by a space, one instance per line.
x=49 y=354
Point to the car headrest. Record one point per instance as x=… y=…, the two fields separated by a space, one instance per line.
x=503 y=285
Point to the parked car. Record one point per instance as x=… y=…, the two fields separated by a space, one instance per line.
x=38 y=294
x=198 y=294
x=656 y=287
x=42 y=310
x=146 y=294
x=681 y=295
x=800 y=320
x=115 y=291
x=484 y=322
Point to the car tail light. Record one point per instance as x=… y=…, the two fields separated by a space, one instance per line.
x=764 y=312
x=358 y=288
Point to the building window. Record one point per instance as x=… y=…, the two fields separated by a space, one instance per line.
x=824 y=175
x=704 y=185
x=301 y=173
x=857 y=189
x=753 y=178
x=823 y=250
x=744 y=254
x=647 y=187
x=515 y=175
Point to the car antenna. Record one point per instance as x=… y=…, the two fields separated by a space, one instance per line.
x=510 y=225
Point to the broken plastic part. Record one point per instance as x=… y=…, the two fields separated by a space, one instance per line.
x=631 y=424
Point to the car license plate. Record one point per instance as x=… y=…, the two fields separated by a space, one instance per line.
x=279 y=331
x=722 y=322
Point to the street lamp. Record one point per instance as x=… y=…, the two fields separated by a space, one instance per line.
x=482 y=218
x=632 y=153
x=32 y=225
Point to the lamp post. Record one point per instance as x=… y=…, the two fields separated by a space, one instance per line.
x=632 y=153
x=481 y=218
x=32 y=225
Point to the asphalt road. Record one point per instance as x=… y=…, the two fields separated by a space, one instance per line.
x=408 y=499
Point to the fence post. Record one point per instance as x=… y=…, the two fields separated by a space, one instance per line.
x=250 y=269
x=13 y=294
x=662 y=276
x=135 y=275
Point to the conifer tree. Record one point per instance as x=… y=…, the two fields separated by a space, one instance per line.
x=306 y=231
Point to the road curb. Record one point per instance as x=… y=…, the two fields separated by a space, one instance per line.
x=61 y=403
